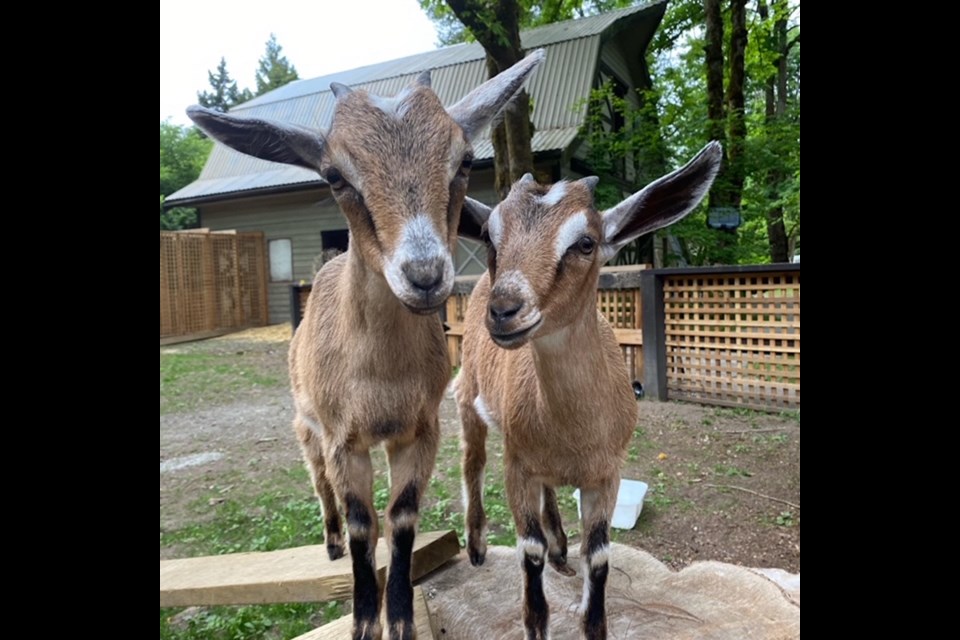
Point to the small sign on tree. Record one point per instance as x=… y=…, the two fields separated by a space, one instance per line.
x=726 y=218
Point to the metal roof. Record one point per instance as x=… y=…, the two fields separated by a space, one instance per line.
x=558 y=89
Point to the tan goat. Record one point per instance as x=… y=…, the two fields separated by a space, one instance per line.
x=542 y=365
x=368 y=364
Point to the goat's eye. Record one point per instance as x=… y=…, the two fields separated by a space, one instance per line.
x=334 y=178
x=586 y=245
x=466 y=164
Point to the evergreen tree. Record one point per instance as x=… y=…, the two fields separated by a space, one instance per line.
x=275 y=70
x=225 y=93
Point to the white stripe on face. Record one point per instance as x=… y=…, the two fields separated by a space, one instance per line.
x=555 y=195
x=570 y=231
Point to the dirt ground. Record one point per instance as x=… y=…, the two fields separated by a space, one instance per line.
x=724 y=483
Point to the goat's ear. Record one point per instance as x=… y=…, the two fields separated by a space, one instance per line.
x=264 y=139
x=662 y=202
x=477 y=108
x=472 y=218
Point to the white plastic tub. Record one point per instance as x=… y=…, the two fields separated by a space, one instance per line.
x=629 y=503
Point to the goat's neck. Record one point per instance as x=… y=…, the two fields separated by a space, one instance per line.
x=570 y=360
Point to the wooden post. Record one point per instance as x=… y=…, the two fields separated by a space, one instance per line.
x=237 y=294
x=262 y=268
x=654 y=336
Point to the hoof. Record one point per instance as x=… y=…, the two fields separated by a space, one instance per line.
x=477 y=557
x=561 y=566
x=335 y=551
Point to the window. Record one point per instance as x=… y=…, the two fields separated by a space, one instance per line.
x=281 y=260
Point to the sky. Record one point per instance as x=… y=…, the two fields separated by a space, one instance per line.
x=318 y=37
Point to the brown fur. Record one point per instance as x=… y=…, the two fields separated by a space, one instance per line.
x=368 y=363
x=541 y=363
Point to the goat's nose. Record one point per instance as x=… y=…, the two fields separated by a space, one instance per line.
x=423 y=275
x=504 y=309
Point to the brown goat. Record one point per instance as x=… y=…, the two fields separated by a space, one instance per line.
x=368 y=364
x=542 y=365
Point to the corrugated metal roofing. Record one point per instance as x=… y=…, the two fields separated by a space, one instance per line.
x=557 y=89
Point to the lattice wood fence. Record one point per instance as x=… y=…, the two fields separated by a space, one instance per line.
x=211 y=282
x=618 y=299
x=733 y=338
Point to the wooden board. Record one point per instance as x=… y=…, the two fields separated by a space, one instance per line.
x=302 y=574
x=339 y=629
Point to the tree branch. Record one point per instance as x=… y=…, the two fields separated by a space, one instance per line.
x=756 y=493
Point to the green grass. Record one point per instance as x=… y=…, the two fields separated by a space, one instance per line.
x=190 y=380
x=272 y=520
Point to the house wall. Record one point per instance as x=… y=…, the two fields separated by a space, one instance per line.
x=299 y=216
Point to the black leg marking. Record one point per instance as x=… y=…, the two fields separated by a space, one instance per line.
x=365 y=589
x=599 y=537
x=536 y=613
x=406 y=503
x=399 y=590
x=357 y=515
x=595 y=618
x=334 y=537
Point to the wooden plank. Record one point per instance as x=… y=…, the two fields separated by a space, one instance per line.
x=699 y=321
x=631 y=337
x=302 y=574
x=689 y=378
x=199 y=335
x=341 y=628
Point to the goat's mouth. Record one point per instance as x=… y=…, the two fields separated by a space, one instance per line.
x=515 y=339
x=423 y=310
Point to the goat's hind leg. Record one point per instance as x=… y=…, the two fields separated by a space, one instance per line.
x=474 y=445
x=411 y=464
x=553 y=528
x=313 y=456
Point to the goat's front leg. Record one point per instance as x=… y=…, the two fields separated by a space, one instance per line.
x=411 y=464
x=313 y=455
x=523 y=493
x=596 y=507
x=474 y=444
x=351 y=474
x=553 y=527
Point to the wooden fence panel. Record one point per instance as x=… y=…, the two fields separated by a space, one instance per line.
x=733 y=339
x=211 y=282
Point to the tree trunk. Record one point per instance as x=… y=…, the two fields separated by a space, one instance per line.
x=775 y=106
x=737 y=123
x=511 y=137
x=720 y=195
x=714 y=58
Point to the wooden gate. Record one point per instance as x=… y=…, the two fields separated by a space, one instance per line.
x=211 y=282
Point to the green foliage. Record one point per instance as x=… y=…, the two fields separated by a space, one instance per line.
x=678 y=102
x=182 y=154
x=225 y=93
x=274 y=70
x=247 y=622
